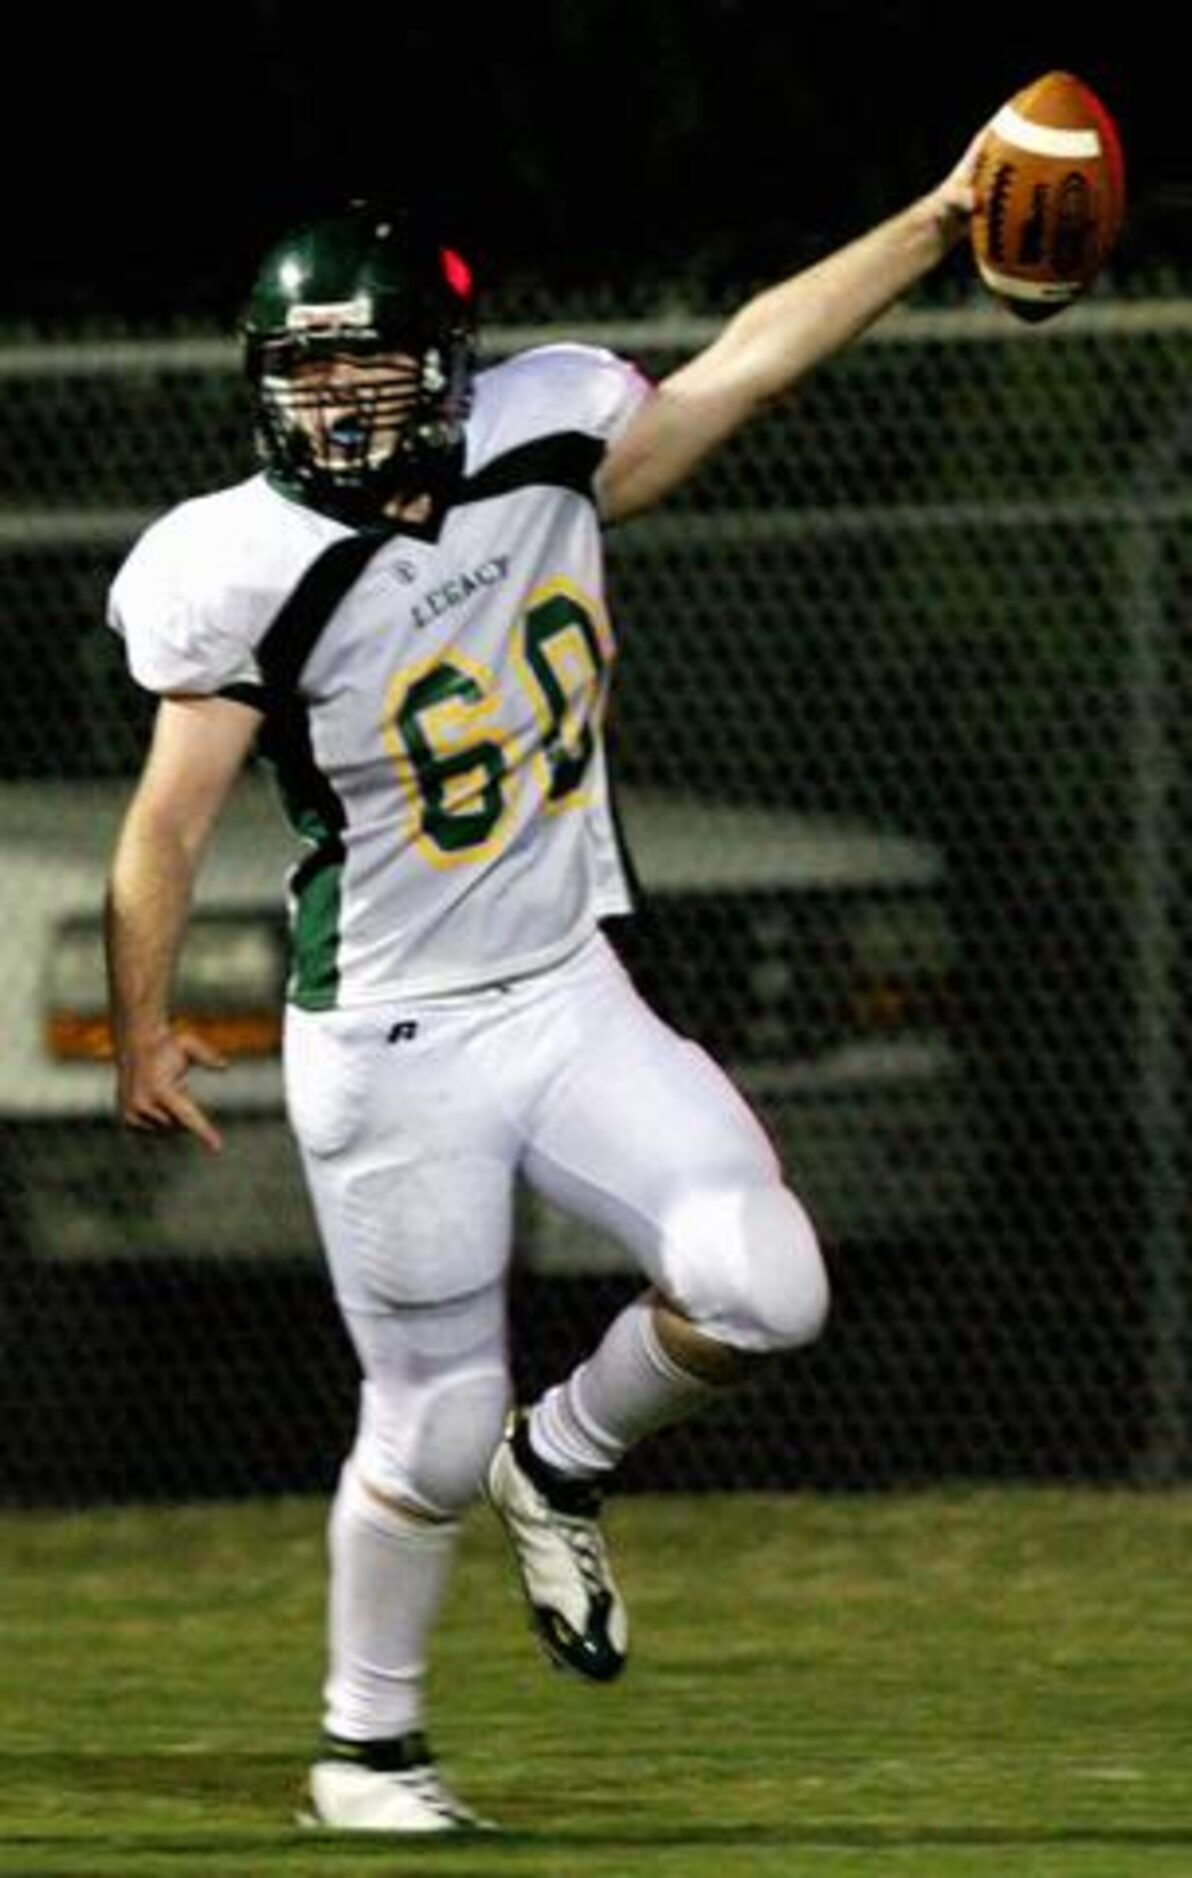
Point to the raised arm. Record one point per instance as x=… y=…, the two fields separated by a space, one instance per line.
x=775 y=339
x=199 y=746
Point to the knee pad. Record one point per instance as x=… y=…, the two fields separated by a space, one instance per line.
x=429 y=1447
x=744 y=1267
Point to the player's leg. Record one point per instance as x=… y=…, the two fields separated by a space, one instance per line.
x=648 y=1138
x=410 y=1175
x=645 y=1136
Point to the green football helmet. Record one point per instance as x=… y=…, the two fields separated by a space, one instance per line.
x=358 y=342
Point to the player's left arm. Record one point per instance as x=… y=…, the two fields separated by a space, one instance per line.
x=775 y=339
x=199 y=747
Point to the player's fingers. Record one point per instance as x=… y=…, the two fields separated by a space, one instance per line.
x=187 y=1114
x=968 y=163
x=145 y=1110
x=145 y=1121
x=198 y=1050
x=169 y=1112
x=959 y=189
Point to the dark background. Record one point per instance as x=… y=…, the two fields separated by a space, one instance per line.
x=150 y=154
x=619 y=145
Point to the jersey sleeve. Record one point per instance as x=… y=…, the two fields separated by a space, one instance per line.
x=181 y=632
x=617 y=387
x=564 y=387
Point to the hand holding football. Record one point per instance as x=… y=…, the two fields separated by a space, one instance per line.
x=1050 y=183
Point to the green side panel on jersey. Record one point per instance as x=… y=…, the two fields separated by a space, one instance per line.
x=315 y=812
x=315 y=930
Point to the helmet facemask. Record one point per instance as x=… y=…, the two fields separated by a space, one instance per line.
x=357 y=424
x=359 y=351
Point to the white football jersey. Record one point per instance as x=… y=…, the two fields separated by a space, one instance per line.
x=437 y=736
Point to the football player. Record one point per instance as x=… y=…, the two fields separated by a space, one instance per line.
x=403 y=612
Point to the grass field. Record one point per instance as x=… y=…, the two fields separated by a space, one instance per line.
x=947 y=1685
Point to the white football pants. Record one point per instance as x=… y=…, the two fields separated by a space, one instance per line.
x=415 y=1121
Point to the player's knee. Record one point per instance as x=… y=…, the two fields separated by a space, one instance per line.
x=788 y=1286
x=430 y=1451
x=745 y=1268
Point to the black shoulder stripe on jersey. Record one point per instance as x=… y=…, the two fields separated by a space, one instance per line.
x=256 y=695
x=311 y=803
x=568 y=459
x=293 y=634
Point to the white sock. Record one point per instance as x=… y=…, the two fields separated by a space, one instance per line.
x=628 y=1388
x=388 y=1574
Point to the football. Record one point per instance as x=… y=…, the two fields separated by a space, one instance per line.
x=1050 y=188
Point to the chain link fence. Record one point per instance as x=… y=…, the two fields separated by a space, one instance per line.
x=901 y=731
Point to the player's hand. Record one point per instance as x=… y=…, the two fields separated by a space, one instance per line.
x=956 y=197
x=153 y=1094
